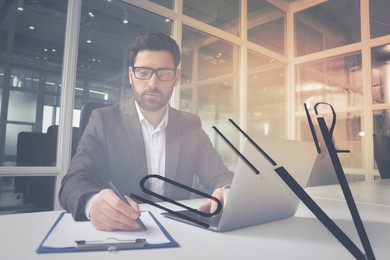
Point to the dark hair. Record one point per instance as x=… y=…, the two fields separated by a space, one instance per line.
x=155 y=42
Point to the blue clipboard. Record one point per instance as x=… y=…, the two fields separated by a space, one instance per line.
x=128 y=245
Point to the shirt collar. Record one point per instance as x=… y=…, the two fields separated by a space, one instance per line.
x=142 y=119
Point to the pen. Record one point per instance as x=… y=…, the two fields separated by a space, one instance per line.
x=139 y=221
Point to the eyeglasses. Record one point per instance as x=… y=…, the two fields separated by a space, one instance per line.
x=146 y=73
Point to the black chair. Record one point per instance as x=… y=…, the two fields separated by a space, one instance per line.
x=382 y=154
x=30 y=149
x=51 y=142
x=86 y=111
x=33 y=149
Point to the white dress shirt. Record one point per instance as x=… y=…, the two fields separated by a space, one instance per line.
x=154 y=139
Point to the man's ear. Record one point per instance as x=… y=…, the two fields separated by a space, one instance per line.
x=177 y=77
x=130 y=76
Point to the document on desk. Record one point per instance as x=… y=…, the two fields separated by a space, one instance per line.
x=67 y=235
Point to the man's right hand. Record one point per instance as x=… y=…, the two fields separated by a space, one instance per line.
x=108 y=212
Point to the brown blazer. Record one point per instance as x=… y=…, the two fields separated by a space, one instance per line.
x=112 y=149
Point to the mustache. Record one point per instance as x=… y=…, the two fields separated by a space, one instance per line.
x=153 y=91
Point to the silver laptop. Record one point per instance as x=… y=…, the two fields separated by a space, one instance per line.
x=256 y=199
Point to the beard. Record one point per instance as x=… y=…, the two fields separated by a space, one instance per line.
x=152 y=104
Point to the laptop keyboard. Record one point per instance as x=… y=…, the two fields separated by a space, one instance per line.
x=211 y=221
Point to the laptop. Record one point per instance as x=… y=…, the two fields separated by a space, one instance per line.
x=256 y=199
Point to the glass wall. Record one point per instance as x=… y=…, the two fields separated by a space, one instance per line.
x=31 y=53
x=338 y=76
x=379 y=17
x=267 y=97
x=107 y=28
x=30 y=66
x=380 y=83
x=209 y=83
x=380 y=74
x=266 y=25
x=327 y=25
x=336 y=80
x=221 y=14
x=165 y=3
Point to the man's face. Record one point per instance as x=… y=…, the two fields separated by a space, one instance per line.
x=153 y=94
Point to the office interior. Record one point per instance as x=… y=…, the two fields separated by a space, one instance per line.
x=255 y=61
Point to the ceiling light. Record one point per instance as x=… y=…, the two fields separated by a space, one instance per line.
x=32 y=24
x=125 y=18
x=89 y=38
x=91 y=14
x=19 y=6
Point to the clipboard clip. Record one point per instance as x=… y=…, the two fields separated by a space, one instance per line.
x=166 y=199
x=110 y=244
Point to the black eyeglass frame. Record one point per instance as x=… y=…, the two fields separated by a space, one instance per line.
x=153 y=71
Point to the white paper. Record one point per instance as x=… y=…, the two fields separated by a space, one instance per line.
x=67 y=231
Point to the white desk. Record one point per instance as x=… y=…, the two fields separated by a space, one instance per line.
x=373 y=192
x=299 y=237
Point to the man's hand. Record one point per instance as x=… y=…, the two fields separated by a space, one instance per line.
x=109 y=212
x=210 y=205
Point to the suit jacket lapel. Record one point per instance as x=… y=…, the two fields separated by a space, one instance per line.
x=134 y=132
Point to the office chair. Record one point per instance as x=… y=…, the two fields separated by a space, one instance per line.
x=33 y=150
x=30 y=149
x=51 y=142
x=382 y=154
x=86 y=111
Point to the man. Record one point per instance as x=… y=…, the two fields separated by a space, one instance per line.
x=127 y=141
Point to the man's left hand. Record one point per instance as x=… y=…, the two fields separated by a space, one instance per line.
x=210 y=205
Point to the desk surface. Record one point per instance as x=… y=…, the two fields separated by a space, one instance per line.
x=373 y=192
x=298 y=237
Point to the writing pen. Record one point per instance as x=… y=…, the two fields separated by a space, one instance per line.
x=139 y=221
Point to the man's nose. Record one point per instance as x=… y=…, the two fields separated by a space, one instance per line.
x=154 y=81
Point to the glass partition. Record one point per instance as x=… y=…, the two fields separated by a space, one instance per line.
x=107 y=28
x=266 y=25
x=32 y=35
x=165 y=3
x=327 y=25
x=379 y=17
x=381 y=120
x=267 y=98
x=380 y=74
x=348 y=135
x=31 y=49
x=221 y=14
x=209 y=84
x=336 y=80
